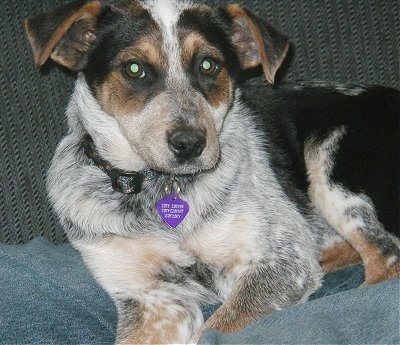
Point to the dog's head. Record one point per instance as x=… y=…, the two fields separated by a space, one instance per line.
x=164 y=70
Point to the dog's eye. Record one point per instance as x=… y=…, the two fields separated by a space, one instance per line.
x=208 y=66
x=135 y=70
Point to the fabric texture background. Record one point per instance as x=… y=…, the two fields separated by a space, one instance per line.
x=350 y=41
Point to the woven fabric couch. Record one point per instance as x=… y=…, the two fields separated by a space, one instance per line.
x=349 y=41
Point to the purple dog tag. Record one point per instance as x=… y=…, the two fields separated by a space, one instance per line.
x=172 y=210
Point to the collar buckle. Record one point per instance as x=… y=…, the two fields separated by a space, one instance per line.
x=126 y=183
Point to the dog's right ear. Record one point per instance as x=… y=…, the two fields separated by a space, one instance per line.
x=65 y=34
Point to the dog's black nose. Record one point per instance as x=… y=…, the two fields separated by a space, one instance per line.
x=187 y=143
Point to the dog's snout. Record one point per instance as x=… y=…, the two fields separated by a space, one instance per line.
x=187 y=143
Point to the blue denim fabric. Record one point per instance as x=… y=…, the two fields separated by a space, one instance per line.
x=49 y=297
x=345 y=279
x=368 y=315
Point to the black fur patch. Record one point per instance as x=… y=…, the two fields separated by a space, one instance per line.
x=199 y=272
x=368 y=158
x=214 y=26
x=115 y=32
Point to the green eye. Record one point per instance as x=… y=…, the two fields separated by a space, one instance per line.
x=208 y=66
x=135 y=70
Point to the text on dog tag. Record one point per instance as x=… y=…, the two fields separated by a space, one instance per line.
x=172 y=210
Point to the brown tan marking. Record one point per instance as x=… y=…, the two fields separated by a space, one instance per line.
x=377 y=266
x=119 y=253
x=339 y=255
x=117 y=98
x=146 y=49
x=250 y=44
x=149 y=330
x=117 y=95
x=222 y=95
x=333 y=201
x=233 y=315
x=132 y=265
x=89 y=12
x=193 y=44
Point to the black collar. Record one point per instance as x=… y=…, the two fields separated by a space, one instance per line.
x=121 y=181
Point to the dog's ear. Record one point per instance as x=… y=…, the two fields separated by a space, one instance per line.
x=257 y=42
x=65 y=34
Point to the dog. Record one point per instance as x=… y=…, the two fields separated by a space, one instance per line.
x=182 y=185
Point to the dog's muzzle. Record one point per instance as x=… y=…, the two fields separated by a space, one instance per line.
x=187 y=143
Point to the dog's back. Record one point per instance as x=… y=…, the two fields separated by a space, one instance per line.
x=367 y=159
x=340 y=144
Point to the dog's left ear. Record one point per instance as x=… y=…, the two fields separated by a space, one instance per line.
x=257 y=42
x=64 y=34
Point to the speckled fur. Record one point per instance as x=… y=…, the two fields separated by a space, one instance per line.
x=252 y=238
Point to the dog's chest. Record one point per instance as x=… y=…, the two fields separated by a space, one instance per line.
x=226 y=247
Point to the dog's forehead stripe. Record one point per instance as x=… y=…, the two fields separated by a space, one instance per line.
x=166 y=14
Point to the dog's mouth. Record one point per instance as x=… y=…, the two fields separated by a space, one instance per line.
x=192 y=166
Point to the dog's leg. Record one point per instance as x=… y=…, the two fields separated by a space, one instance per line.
x=259 y=291
x=353 y=216
x=338 y=253
x=159 y=321
x=157 y=302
